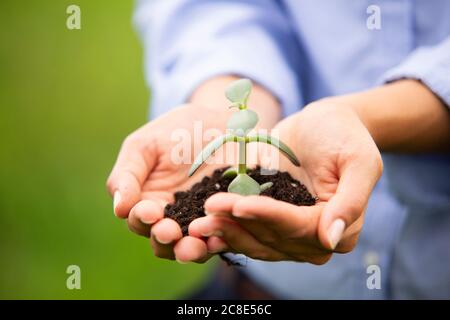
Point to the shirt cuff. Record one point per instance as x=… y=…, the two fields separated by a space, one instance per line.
x=430 y=65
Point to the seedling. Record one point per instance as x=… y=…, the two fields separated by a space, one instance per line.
x=238 y=127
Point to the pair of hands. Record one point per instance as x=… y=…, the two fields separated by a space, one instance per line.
x=340 y=164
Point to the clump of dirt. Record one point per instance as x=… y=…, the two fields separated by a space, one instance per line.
x=188 y=205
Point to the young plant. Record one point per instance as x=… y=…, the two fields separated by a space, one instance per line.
x=239 y=125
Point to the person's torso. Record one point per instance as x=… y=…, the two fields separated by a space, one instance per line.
x=407 y=225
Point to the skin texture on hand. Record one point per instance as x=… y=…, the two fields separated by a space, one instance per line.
x=145 y=176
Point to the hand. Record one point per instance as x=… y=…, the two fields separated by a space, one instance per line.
x=145 y=176
x=340 y=165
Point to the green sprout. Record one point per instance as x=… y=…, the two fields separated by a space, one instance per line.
x=239 y=125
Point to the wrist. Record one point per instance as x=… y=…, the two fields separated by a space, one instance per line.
x=404 y=116
x=356 y=103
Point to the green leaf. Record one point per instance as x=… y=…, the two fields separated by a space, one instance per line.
x=265 y=186
x=238 y=91
x=230 y=173
x=242 y=121
x=276 y=143
x=212 y=147
x=244 y=185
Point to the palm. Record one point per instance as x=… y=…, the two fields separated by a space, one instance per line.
x=314 y=171
x=323 y=150
x=335 y=152
x=169 y=171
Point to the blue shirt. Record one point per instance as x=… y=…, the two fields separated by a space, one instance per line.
x=303 y=50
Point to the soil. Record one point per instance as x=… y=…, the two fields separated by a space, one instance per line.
x=188 y=205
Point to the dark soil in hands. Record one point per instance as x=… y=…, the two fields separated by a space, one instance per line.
x=188 y=204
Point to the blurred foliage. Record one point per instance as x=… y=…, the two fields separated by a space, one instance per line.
x=67 y=100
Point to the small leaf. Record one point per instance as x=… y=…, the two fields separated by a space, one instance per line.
x=230 y=173
x=242 y=121
x=244 y=185
x=212 y=147
x=276 y=143
x=238 y=91
x=265 y=186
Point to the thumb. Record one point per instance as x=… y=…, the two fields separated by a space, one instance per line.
x=348 y=203
x=133 y=165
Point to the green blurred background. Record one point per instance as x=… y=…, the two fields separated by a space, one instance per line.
x=67 y=100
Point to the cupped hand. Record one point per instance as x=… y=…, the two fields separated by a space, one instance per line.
x=148 y=172
x=145 y=176
x=340 y=165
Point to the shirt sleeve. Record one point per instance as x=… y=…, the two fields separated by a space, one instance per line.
x=430 y=65
x=188 y=41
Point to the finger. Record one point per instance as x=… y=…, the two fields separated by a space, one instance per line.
x=143 y=215
x=164 y=234
x=285 y=218
x=164 y=251
x=237 y=238
x=350 y=236
x=217 y=245
x=166 y=231
x=134 y=163
x=348 y=203
x=221 y=203
x=138 y=227
x=191 y=249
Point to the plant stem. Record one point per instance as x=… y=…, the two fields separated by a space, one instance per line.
x=242 y=168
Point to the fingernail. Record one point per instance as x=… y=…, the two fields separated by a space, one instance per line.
x=217 y=233
x=162 y=242
x=209 y=213
x=147 y=220
x=241 y=215
x=181 y=262
x=219 y=249
x=335 y=232
x=117 y=198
